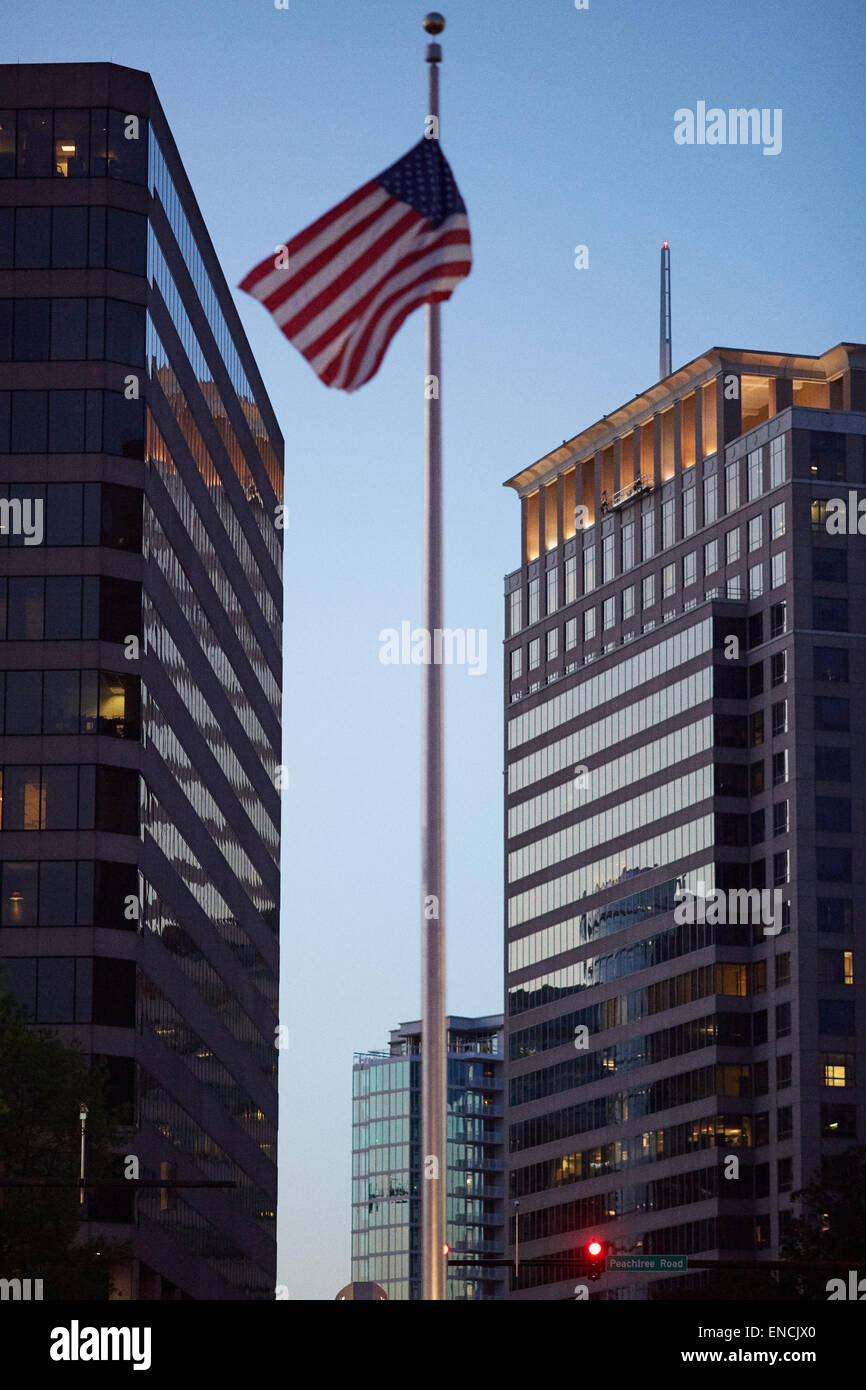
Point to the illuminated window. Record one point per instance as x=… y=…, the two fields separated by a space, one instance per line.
x=777 y=521
x=838 y=1068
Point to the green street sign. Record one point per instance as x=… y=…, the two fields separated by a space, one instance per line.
x=668 y=1263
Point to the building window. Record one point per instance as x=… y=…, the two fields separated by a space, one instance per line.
x=780 y=718
x=690 y=519
x=777 y=460
x=588 y=569
x=783 y=1020
x=830 y=614
x=690 y=569
x=668 y=524
x=756 y=473
x=832 y=764
x=780 y=770
x=777 y=521
x=835 y=914
x=535 y=653
x=589 y=624
x=829 y=564
x=837 y=1069
x=609 y=613
x=783 y=969
x=756 y=728
x=732 y=545
x=516 y=663
x=571 y=579
x=780 y=816
x=778 y=619
x=711 y=500
x=607 y=561
x=628 y=602
x=756 y=581
x=778 y=570
x=711 y=557
x=552 y=643
x=833 y=813
x=514 y=606
x=779 y=668
x=755 y=533
x=836 y=1017
x=648 y=591
x=785 y=1172
x=832 y=865
x=552 y=586
x=669 y=580
x=784 y=1122
x=832 y=714
x=781 y=868
x=830 y=663
x=783 y=1071
x=648 y=524
x=838 y=1122
x=571 y=634
x=627 y=546
x=732 y=487
x=534 y=613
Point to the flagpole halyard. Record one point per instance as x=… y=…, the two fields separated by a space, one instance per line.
x=434 y=1181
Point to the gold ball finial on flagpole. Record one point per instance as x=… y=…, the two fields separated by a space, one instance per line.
x=434 y=22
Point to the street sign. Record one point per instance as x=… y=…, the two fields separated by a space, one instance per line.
x=667 y=1263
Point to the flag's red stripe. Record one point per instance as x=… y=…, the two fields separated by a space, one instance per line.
x=356 y=310
x=293 y=284
x=310 y=233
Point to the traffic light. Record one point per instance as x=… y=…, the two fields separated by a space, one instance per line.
x=595 y=1254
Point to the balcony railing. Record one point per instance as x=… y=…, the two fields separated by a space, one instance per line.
x=626 y=494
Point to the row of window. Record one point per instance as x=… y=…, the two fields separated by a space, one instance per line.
x=73 y=142
x=70 y=514
x=73 y=989
x=75 y=238
x=71 y=607
x=66 y=893
x=71 y=422
x=69 y=702
x=71 y=330
x=69 y=797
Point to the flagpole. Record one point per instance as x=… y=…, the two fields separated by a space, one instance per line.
x=433 y=1041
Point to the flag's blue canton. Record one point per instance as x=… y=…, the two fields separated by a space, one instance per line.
x=424 y=180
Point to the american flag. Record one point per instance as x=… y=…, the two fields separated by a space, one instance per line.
x=341 y=289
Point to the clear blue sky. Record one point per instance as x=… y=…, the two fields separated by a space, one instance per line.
x=558 y=124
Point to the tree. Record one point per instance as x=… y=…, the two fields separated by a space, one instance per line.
x=832 y=1225
x=43 y=1080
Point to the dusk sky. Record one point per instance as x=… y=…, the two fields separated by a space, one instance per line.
x=559 y=127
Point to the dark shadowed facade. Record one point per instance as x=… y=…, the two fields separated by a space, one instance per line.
x=685 y=640
x=140 y=485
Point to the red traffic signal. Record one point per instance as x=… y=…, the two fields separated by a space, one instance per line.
x=595 y=1254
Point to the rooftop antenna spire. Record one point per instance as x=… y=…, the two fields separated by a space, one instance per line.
x=665 y=313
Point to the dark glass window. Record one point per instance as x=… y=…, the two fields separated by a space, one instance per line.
x=756 y=679
x=778 y=619
x=117 y=800
x=123 y=426
x=826 y=455
x=68 y=330
x=114 y=884
x=731 y=779
x=7 y=144
x=756 y=728
x=833 y=865
x=127 y=242
x=32 y=238
x=832 y=714
x=7 y=307
x=835 y=914
x=96 y=243
x=69 y=239
x=121 y=517
x=830 y=663
x=95 y=329
x=29 y=422
x=124 y=331
x=836 y=1016
x=829 y=564
x=730 y=731
x=26 y=614
x=5 y=420
x=832 y=764
x=98 y=142
x=7 y=238
x=756 y=777
x=783 y=1020
x=127 y=147
x=833 y=813
x=19 y=894
x=838 y=1122
x=71 y=144
x=60 y=793
x=120 y=609
x=830 y=614
x=61 y=695
x=34 y=144
x=756 y=630
x=63 y=513
x=23 y=702
x=57 y=893
x=62 y=607
x=66 y=422
x=22 y=798
x=55 y=1000
x=31 y=330
x=114 y=992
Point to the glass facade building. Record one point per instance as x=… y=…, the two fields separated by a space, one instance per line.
x=387 y=1167
x=682 y=813
x=140 y=620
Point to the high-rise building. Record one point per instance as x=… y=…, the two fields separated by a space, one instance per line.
x=141 y=667
x=387 y=1165
x=684 y=803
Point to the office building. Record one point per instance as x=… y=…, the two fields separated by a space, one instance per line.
x=684 y=645
x=387 y=1162
x=140 y=485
